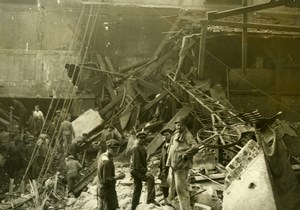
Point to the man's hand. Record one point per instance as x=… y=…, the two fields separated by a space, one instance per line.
x=120 y=176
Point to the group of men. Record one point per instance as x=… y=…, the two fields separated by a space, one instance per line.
x=177 y=155
x=35 y=121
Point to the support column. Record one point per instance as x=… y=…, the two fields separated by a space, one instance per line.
x=278 y=75
x=202 y=50
x=244 y=41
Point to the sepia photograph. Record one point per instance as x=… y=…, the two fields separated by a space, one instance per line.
x=150 y=104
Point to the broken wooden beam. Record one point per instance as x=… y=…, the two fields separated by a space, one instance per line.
x=109 y=86
x=154 y=101
x=104 y=71
x=109 y=106
x=85 y=180
x=148 y=85
x=150 y=70
x=14 y=204
x=109 y=64
x=199 y=178
x=101 y=62
x=133 y=66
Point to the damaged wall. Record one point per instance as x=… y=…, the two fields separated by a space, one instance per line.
x=37 y=36
x=34 y=44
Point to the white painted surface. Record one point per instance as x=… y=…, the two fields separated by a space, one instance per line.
x=87 y=122
x=260 y=196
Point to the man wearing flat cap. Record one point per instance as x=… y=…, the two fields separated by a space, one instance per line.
x=139 y=172
x=58 y=119
x=109 y=132
x=72 y=169
x=108 y=199
x=182 y=149
x=164 y=170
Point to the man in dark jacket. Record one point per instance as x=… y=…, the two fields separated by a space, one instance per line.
x=21 y=111
x=164 y=170
x=107 y=179
x=109 y=132
x=74 y=148
x=139 y=172
x=72 y=168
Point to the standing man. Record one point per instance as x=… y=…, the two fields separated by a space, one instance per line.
x=139 y=172
x=107 y=179
x=164 y=170
x=109 y=132
x=43 y=145
x=180 y=158
x=57 y=120
x=14 y=159
x=38 y=118
x=21 y=111
x=72 y=168
x=66 y=133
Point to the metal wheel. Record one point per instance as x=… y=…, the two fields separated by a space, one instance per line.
x=219 y=137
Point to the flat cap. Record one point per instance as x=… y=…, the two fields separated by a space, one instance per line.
x=166 y=130
x=141 y=134
x=71 y=157
x=180 y=120
x=112 y=143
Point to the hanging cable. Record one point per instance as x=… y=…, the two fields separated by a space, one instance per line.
x=80 y=71
x=33 y=156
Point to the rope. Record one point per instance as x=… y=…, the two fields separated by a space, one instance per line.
x=68 y=53
x=80 y=71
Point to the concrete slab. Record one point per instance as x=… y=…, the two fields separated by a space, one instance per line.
x=86 y=122
x=252 y=190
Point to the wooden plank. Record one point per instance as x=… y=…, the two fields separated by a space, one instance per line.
x=154 y=101
x=187 y=44
x=129 y=90
x=148 y=71
x=166 y=39
x=133 y=66
x=86 y=180
x=199 y=178
x=141 y=92
x=13 y=204
x=101 y=62
x=157 y=141
x=104 y=71
x=148 y=85
x=109 y=64
x=109 y=106
x=109 y=86
x=125 y=116
x=202 y=50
